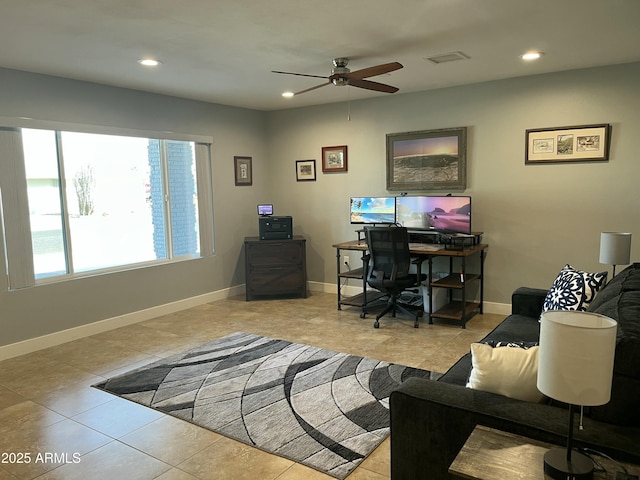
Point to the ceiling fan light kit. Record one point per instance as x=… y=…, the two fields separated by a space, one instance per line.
x=341 y=76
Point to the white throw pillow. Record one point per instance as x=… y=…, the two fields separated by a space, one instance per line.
x=510 y=371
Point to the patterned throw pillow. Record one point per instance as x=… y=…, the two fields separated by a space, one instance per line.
x=573 y=289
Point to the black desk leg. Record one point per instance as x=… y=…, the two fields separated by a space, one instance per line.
x=338 y=275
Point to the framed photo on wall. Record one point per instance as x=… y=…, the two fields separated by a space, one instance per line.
x=427 y=160
x=305 y=170
x=583 y=143
x=243 y=171
x=334 y=159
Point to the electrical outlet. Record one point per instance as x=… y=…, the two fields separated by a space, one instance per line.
x=345 y=259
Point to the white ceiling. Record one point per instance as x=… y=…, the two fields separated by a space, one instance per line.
x=223 y=51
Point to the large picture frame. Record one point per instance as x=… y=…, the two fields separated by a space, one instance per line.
x=305 y=170
x=243 y=171
x=334 y=159
x=582 y=143
x=427 y=160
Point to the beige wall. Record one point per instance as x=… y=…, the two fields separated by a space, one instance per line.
x=536 y=218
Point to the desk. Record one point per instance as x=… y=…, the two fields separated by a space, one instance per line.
x=460 y=310
x=491 y=454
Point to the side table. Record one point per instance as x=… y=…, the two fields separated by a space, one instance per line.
x=491 y=454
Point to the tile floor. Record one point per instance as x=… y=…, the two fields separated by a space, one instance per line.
x=53 y=425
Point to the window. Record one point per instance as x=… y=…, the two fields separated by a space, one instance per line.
x=101 y=201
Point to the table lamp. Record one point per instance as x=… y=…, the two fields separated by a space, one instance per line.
x=575 y=366
x=615 y=249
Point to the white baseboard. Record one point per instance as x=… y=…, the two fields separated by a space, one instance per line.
x=57 y=338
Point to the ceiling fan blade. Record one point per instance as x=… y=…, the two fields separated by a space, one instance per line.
x=312 y=88
x=376 y=70
x=299 y=74
x=369 y=85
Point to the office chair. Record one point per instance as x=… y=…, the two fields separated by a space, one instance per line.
x=388 y=269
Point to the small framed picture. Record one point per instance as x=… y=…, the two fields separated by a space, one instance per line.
x=334 y=159
x=305 y=170
x=243 y=171
x=582 y=143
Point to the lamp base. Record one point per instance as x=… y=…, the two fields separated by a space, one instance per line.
x=557 y=467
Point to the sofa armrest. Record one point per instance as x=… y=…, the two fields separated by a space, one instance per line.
x=431 y=421
x=528 y=301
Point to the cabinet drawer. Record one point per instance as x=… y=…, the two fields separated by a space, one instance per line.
x=274 y=253
x=275 y=280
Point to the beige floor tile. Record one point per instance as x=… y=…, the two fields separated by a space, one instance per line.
x=175 y=474
x=118 y=417
x=8 y=397
x=364 y=474
x=4 y=475
x=75 y=398
x=298 y=472
x=25 y=415
x=186 y=439
x=227 y=458
x=95 y=356
x=379 y=460
x=112 y=461
x=51 y=446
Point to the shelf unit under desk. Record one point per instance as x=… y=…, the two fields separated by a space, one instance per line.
x=459 y=310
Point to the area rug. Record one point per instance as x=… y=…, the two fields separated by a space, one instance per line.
x=325 y=409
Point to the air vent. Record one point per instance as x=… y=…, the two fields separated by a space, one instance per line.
x=448 y=57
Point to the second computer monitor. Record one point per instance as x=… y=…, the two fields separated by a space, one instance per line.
x=449 y=214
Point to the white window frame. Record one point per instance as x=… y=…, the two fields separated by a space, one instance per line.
x=14 y=206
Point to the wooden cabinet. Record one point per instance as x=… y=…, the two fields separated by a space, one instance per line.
x=275 y=267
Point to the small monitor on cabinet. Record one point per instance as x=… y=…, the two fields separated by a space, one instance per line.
x=372 y=210
x=265 y=209
x=446 y=214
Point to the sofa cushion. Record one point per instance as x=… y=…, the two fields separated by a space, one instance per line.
x=510 y=370
x=573 y=289
x=620 y=300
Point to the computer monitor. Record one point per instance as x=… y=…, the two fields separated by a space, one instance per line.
x=372 y=210
x=447 y=214
x=265 y=209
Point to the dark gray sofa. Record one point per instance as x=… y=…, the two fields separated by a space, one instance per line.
x=431 y=420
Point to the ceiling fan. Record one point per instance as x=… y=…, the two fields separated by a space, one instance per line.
x=341 y=75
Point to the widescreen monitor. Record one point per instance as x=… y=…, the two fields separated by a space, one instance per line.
x=372 y=210
x=447 y=214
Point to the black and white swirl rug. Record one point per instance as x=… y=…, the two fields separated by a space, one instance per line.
x=325 y=409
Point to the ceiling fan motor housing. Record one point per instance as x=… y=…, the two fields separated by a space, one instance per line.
x=339 y=71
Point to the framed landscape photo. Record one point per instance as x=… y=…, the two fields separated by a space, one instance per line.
x=334 y=159
x=583 y=143
x=305 y=170
x=427 y=160
x=243 y=171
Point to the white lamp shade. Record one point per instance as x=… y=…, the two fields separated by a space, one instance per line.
x=575 y=358
x=615 y=248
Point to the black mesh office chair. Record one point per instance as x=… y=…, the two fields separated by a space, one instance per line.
x=388 y=269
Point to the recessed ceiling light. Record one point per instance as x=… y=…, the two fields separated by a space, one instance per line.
x=288 y=94
x=532 y=55
x=149 y=62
